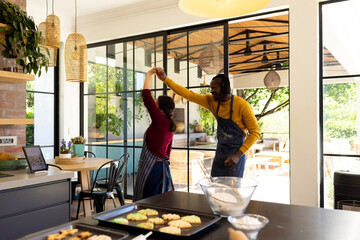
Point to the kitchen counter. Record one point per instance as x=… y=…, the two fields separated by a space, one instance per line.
x=285 y=221
x=32 y=202
x=23 y=178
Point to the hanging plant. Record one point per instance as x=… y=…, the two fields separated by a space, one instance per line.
x=22 y=38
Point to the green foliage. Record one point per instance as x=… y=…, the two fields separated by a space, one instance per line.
x=339 y=113
x=22 y=39
x=207 y=119
x=30 y=129
x=98 y=84
x=192 y=126
x=78 y=140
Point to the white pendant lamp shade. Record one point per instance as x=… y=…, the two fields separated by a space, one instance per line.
x=76 y=58
x=272 y=80
x=49 y=52
x=52 y=36
x=221 y=8
x=211 y=60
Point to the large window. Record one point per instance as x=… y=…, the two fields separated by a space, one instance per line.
x=42 y=105
x=340 y=75
x=115 y=119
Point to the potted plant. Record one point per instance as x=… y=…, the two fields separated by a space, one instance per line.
x=22 y=38
x=196 y=126
x=78 y=145
x=65 y=150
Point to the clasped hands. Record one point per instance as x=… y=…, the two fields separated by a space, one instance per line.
x=159 y=71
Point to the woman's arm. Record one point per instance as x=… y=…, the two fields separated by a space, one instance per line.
x=148 y=78
x=148 y=100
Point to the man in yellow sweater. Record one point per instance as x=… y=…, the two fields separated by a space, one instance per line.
x=235 y=119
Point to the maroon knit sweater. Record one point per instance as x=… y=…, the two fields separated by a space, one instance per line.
x=158 y=136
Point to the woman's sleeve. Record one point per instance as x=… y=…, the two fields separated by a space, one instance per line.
x=200 y=99
x=169 y=148
x=150 y=105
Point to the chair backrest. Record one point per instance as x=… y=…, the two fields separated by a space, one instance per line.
x=116 y=172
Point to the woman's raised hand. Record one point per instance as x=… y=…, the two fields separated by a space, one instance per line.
x=160 y=73
x=152 y=71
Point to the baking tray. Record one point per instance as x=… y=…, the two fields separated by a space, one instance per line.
x=105 y=218
x=95 y=230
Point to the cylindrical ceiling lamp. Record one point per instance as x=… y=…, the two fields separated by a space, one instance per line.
x=50 y=52
x=221 y=8
x=52 y=35
x=76 y=55
x=76 y=58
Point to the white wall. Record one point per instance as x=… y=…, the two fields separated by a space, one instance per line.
x=304 y=102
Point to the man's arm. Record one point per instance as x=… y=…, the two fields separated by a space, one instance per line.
x=200 y=99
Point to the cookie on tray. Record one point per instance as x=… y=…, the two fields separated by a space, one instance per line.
x=171 y=230
x=99 y=237
x=136 y=217
x=148 y=212
x=69 y=231
x=146 y=225
x=74 y=238
x=120 y=221
x=170 y=217
x=179 y=224
x=84 y=234
x=56 y=236
x=192 y=219
x=156 y=220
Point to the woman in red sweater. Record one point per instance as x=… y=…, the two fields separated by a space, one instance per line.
x=153 y=175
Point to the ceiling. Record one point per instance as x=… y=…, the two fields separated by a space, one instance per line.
x=85 y=7
x=266 y=36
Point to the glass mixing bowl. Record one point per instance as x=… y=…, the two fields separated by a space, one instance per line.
x=249 y=224
x=228 y=195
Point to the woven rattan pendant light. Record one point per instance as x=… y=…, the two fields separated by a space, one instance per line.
x=52 y=34
x=76 y=56
x=272 y=80
x=211 y=60
x=50 y=52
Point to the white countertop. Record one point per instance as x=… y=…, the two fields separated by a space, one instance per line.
x=23 y=178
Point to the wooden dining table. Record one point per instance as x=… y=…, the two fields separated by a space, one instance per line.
x=83 y=170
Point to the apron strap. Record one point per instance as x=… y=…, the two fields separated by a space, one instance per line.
x=166 y=174
x=231 y=107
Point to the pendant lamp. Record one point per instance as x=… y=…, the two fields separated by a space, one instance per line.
x=52 y=34
x=76 y=56
x=221 y=8
x=211 y=60
x=50 y=52
x=272 y=80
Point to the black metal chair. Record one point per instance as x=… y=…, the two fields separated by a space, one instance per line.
x=77 y=182
x=118 y=188
x=100 y=194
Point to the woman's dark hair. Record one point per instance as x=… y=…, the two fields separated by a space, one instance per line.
x=224 y=84
x=167 y=105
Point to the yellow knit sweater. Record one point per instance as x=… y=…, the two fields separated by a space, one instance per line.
x=243 y=114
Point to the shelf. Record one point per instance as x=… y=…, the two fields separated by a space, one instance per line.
x=13 y=77
x=16 y=121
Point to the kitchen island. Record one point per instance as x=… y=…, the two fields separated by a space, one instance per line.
x=32 y=202
x=286 y=222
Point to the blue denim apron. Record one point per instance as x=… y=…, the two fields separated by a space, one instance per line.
x=230 y=139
